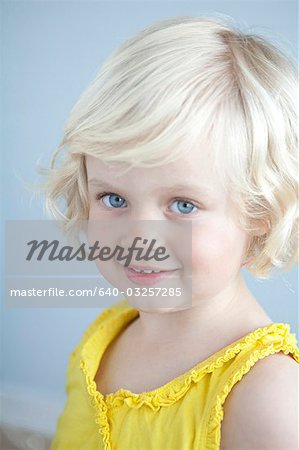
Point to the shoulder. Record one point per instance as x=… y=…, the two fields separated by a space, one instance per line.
x=261 y=411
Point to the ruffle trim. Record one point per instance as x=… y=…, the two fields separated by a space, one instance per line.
x=284 y=341
x=101 y=418
x=88 y=351
x=275 y=336
x=177 y=388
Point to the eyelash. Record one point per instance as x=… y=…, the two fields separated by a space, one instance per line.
x=100 y=196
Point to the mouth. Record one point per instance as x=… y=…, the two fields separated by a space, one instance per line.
x=148 y=269
x=148 y=275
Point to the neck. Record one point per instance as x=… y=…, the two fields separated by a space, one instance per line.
x=234 y=307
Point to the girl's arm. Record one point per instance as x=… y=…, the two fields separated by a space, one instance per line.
x=261 y=411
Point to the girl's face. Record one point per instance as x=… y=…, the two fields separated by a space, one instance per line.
x=184 y=190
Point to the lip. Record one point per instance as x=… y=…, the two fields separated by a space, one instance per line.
x=147 y=279
x=132 y=266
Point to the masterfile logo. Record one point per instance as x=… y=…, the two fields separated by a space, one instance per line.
x=98 y=263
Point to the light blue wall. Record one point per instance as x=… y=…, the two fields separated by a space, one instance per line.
x=50 y=52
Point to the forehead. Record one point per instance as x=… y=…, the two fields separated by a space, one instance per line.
x=195 y=167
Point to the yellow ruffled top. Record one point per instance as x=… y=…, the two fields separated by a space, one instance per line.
x=184 y=414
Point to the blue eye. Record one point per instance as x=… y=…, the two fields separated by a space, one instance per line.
x=111 y=200
x=184 y=207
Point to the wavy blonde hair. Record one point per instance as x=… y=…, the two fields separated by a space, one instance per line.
x=171 y=87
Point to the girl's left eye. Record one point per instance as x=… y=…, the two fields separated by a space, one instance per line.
x=184 y=207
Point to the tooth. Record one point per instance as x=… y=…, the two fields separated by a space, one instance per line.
x=146 y=271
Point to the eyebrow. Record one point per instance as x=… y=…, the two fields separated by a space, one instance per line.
x=178 y=187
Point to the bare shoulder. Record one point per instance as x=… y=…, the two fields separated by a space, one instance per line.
x=261 y=411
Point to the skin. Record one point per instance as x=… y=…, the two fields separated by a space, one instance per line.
x=219 y=247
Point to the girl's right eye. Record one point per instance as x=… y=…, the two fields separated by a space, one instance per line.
x=111 y=200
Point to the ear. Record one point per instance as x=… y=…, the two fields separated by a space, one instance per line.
x=264 y=227
x=261 y=227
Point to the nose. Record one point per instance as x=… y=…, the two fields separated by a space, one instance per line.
x=144 y=220
x=146 y=212
x=143 y=229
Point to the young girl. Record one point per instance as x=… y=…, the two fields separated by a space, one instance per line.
x=203 y=119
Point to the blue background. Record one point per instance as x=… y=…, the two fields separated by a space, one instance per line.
x=50 y=52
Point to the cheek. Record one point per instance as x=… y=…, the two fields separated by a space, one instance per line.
x=217 y=248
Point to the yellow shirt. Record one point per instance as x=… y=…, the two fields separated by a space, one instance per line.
x=184 y=414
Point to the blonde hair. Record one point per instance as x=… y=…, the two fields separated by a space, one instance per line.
x=179 y=83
